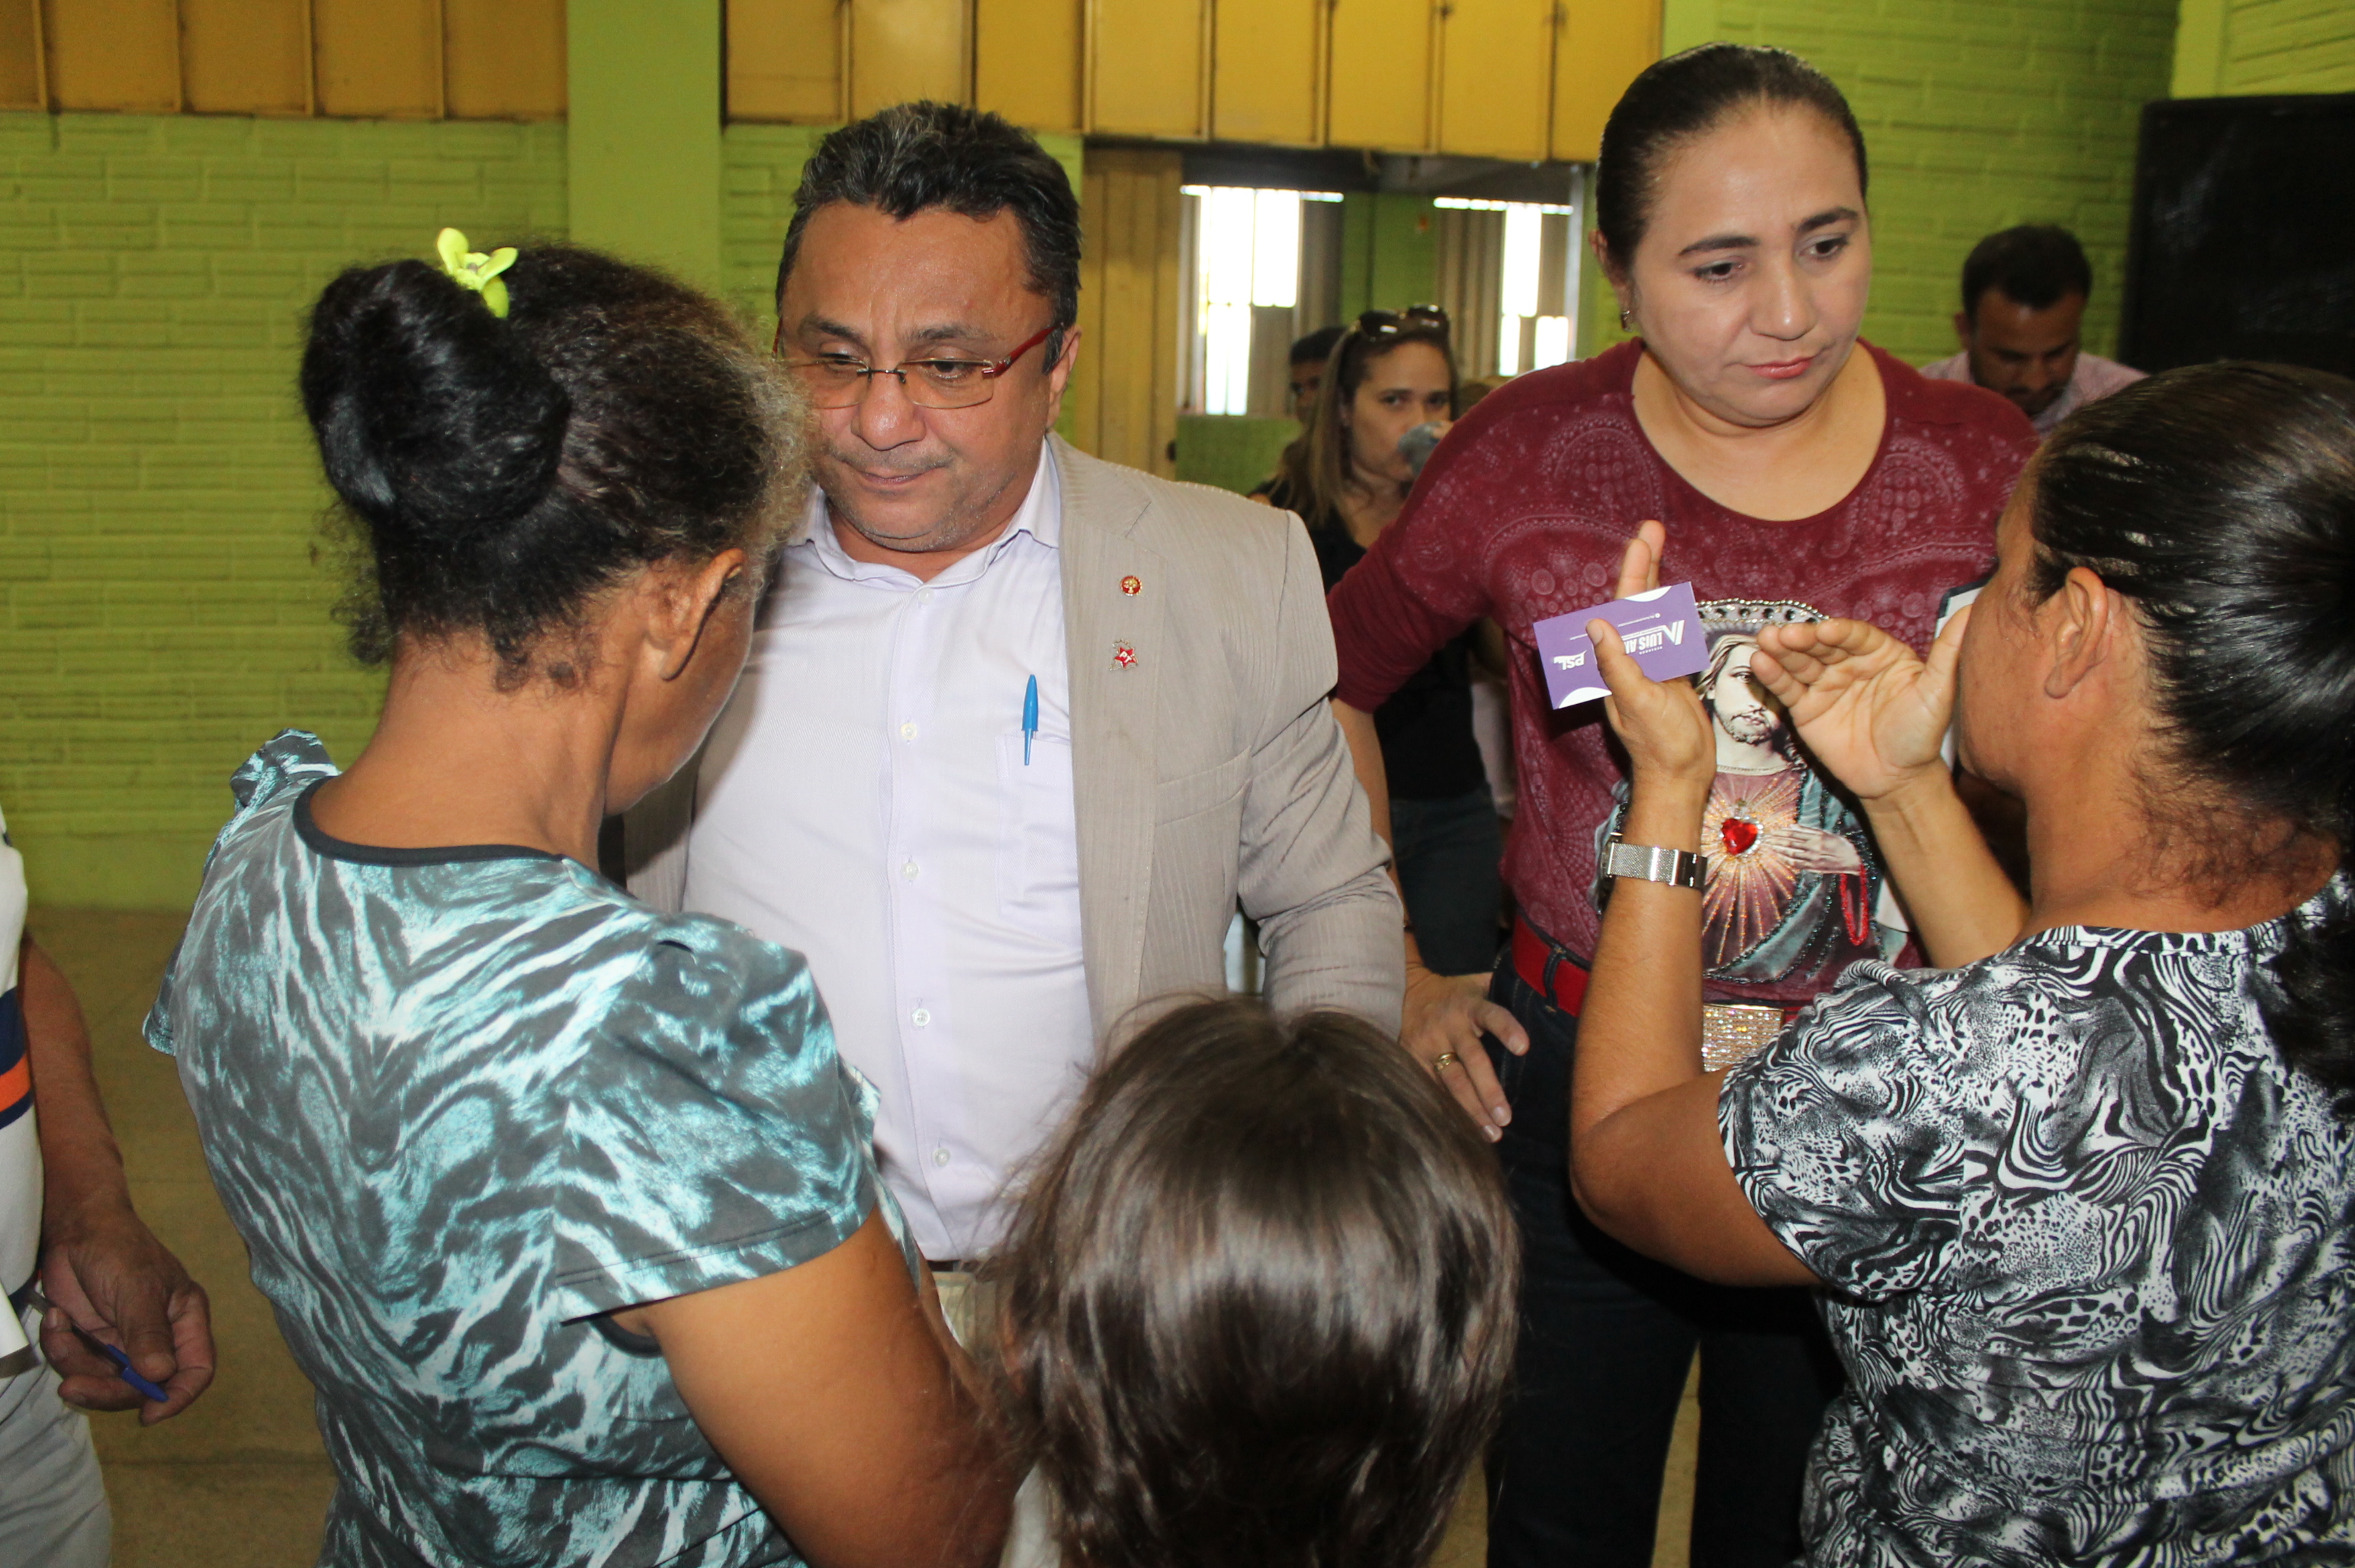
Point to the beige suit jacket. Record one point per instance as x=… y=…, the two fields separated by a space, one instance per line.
x=1207 y=768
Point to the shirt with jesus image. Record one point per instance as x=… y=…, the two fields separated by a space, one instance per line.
x=1794 y=887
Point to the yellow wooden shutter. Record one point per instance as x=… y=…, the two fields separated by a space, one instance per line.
x=1495 y=68
x=1268 y=59
x=1599 y=48
x=1379 y=83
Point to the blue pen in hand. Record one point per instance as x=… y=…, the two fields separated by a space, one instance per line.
x=144 y=1389
x=1029 y=717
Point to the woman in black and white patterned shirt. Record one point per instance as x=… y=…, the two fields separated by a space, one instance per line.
x=2083 y=1201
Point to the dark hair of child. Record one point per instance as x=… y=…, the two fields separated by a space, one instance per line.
x=2220 y=501
x=1258 y=1303
x=503 y=472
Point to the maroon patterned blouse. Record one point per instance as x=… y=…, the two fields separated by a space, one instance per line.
x=1522 y=514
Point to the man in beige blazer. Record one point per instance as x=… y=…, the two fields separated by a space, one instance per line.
x=1020 y=730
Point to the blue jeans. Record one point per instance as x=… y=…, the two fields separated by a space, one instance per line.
x=1607 y=1337
x=1447 y=852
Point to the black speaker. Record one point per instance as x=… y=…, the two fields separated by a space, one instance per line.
x=2244 y=238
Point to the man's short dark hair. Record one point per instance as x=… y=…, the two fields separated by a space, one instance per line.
x=913 y=157
x=2037 y=264
x=1317 y=346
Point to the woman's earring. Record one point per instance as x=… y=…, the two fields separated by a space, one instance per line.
x=1624 y=323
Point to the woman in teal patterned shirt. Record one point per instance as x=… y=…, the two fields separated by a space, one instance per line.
x=565 y=1206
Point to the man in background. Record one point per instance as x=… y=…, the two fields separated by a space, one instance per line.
x=1306 y=369
x=1019 y=730
x=2024 y=293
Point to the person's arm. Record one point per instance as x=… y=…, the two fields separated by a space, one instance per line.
x=1876 y=716
x=1383 y=634
x=102 y=1268
x=1310 y=869
x=1646 y=1161
x=1444 y=1015
x=842 y=1409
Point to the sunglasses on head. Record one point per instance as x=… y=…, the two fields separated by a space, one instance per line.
x=1390 y=323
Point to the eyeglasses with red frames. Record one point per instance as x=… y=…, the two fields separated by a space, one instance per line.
x=840 y=381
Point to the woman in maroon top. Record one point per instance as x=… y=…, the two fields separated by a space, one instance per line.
x=1798 y=473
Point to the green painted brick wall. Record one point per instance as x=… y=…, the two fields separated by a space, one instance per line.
x=165 y=594
x=162 y=604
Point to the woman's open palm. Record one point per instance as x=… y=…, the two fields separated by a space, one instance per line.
x=1869 y=710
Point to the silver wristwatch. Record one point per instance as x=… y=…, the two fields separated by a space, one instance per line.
x=1678 y=868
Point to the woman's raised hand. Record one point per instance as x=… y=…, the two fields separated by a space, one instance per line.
x=1870 y=710
x=1639 y=563
x=1661 y=722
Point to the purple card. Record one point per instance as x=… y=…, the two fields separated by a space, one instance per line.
x=1661 y=629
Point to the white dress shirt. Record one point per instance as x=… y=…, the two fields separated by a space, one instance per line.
x=2094 y=378
x=867 y=800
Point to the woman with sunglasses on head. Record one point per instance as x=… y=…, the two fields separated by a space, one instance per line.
x=1394 y=375
x=565 y=1207
x=2082 y=1196
x=1799 y=473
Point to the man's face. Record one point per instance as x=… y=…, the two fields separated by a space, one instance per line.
x=922 y=483
x=1740 y=703
x=1305 y=378
x=2027 y=355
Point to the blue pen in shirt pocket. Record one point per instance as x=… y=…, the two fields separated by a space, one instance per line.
x=1029 y=717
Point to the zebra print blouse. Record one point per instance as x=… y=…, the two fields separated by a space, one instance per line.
x=460 y=1104
x=2087 y=1246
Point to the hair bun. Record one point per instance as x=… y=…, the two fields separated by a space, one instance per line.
x=432 y=414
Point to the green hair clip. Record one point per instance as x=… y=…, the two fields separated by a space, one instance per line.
x=472 y=269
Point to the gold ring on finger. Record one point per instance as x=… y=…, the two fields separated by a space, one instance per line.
x=1443 y=1060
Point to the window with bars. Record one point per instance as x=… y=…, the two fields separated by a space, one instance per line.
x=1512 y=270
x=1258 y=261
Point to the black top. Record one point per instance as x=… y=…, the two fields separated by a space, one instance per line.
x=1428 y=751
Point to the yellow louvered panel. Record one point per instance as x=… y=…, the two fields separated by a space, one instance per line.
x=1148 y=76
x=379 y=59
x=1495 y=68
x=1027 y=61
x=246 y=57
x=20 y=55
x=1380 y=75
x=901 y=50
x=503 y=60
x=114 y=54
x=784 y=61
x=1267 y=61
x=1599 y=49
x=1123 y=391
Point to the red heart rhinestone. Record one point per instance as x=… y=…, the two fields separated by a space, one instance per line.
x=1739 y=835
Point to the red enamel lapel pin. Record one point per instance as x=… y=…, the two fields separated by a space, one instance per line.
x=1125 y=655
x=1132 y=585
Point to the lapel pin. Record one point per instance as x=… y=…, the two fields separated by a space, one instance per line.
x=1132 y=585
x=1125 y=655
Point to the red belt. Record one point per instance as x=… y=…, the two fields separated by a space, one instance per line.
x=1548 y=970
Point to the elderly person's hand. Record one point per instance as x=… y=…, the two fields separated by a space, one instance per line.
x=1869 y=710
x=107 y=1276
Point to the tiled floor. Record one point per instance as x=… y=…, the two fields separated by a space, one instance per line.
x=240 y=1481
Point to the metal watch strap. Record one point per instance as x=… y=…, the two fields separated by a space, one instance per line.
x=1677 y=868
